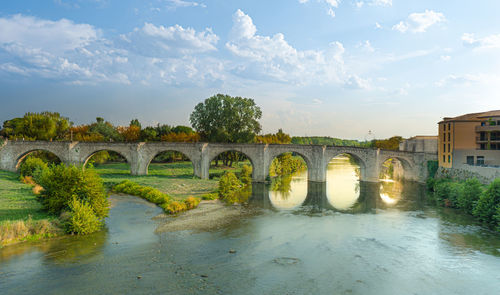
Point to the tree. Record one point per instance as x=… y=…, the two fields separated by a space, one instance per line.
x=280 y=138
x=37 y=126
x=136 y=123
x=183 y=129
x=223 y=118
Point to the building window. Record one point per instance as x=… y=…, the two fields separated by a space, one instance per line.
x=470 y=160
x=483 y=146
x=449 y=158
x=444 y=136
x=449 y=136
x=444 y=159
x=480 y=160
x=483 y=135
x=444 y=147
x=483 y=123
x=449 y=150
x=449 y=126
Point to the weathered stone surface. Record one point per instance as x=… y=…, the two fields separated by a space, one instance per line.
x=140 y=155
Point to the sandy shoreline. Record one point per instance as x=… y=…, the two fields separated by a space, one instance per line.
x=209 y=215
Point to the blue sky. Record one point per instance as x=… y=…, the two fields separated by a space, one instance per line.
x=316 y=67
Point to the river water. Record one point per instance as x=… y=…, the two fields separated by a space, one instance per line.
x=342 y=237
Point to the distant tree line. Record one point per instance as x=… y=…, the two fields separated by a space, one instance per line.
x=220 y=118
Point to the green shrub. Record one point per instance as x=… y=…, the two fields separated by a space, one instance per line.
x=228 y=185
x=486 y=207
x=432 y=167
x=174 y=207
x=246 y=175
x=83 y=220
x=430 y=184
x=212 y=196
x=497 y=218
x=32 y=167
x=441 y=190
x=191 y=202
x=148 y=193
x=472 y=190
x=61 y=183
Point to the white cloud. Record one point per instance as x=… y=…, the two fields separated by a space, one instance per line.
x=488 y=42
x=463 y=80
x=366 y=45
x=53 y=36
x=419 y=22
x=182 y=3
x=381 y=2
x=266 y=57
x=378 y=26
x=330 y=5
x=359 y=4
x=160 y=41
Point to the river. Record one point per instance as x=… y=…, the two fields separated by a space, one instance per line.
x=342 y=237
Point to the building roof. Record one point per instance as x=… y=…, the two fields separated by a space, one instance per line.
x=472 y=117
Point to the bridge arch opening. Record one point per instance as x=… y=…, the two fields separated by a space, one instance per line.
x=394 y=168
x=171 y=163
x=47 y=156
x=108 y=161
x=288 y=173
x=343 y=177
x=229 y=161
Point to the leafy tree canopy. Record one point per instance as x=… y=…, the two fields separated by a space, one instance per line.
x=223 y=118
x=37 y=126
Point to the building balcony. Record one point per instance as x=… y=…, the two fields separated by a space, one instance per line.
x=485 y=140
x=487 y=128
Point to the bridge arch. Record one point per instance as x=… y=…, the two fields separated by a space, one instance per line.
x=359 y=161
x=217 y=152
x=407 y=165
x=89 y=156
x=20 y=157
x=158 y=152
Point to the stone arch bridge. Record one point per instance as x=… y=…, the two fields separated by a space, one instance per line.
x=140 y=155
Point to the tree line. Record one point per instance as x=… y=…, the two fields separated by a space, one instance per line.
x=220 y=118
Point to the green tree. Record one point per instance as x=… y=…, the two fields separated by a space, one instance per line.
x=37 y=126
x=487 y=204
x=472 y=190
x=136 y=123
x=223 y=118
x=105 y=129
x=182 y=129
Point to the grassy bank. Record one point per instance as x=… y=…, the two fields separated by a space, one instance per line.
x=21 y=215
x=174 y=179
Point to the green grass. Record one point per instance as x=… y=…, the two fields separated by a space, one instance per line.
x=17 y=201
x=175 y=179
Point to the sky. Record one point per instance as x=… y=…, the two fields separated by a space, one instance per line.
x=340 y=68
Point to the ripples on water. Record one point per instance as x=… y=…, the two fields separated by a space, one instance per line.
x=342 y=237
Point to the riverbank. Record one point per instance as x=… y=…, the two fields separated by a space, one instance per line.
x=208 y=216
x=21 y=215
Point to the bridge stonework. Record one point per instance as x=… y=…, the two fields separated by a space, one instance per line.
x=140 y=155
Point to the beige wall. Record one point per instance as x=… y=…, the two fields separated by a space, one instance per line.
x=464 y=135
x=455 y=135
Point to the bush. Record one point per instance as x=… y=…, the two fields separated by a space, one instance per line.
x=83 y=220
x=228 y=185
x=148 y=193
x=32 y=167
x=441 y=190
x=246 y=175
x=174 y=207
x=191 y=202
x=212 y=196
x=432 y=167
x=486 y=207
x=472 y=190
x=497 y=218
x=62 y=183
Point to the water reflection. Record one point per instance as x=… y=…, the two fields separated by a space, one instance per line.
x=288 y=192
x=343 y=188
